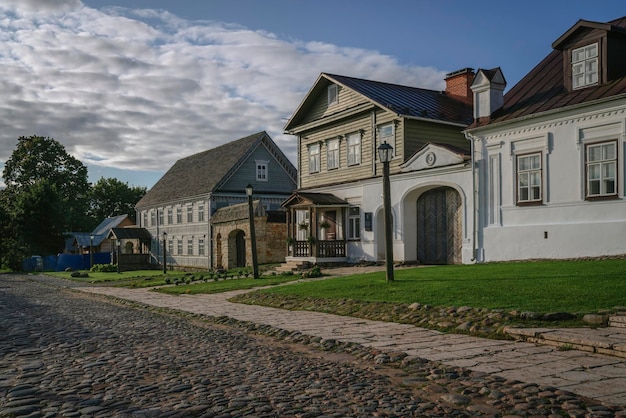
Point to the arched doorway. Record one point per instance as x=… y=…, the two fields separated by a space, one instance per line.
x=439 y=226
x=236 y=249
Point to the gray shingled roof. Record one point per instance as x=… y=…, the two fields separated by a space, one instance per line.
x=200 y=173
x=237 y=212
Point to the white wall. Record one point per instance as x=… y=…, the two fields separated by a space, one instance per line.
x=565 y=225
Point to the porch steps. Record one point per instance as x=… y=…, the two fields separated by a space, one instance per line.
x=293 y=265
x=618 y=321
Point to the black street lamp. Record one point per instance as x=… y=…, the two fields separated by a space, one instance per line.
x=119 y=250
x=385 y=152
x=164 y=254
x=90 y=251
x=255 y=263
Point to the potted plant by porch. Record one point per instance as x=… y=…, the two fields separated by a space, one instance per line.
x=324 y=225
x=290 y=243
x=303 y=226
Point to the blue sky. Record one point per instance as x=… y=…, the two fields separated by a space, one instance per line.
x=130 y=86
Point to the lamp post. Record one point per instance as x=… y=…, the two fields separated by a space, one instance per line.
x=385 y=153
x=164 y=254
x=119 y=250
x=90 y=251
x=255 y=264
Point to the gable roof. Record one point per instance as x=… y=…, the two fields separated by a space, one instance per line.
x=204 y=172
x=237 y=212
x=405 y=101
x=313 y=199
x=543 y=88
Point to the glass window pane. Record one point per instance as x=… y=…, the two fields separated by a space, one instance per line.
x=536 y=193
x=594 y=171
x=522 y=163
x=608 y=170
x=609 y=151
x=594 y=153
x=523 y=179
x=535 y=179
x=523 y=194
x=609 y=187
x=594 y=187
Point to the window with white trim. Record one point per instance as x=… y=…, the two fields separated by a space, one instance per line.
x=261 y=170
x=189 y=213
x=152 y=218
x=169 y=216
x=179 y=215
x=332 y=154
x=201 y=212
x=161 y=216
x=170 y=246
x=529 y=178
x=145 y=219
x=314 y=158
x=601 y=166
x=387 y=133
x=333 y=96
x=201 y=246
x=179 y=247
x=354 y=223
x=585 y=66
x=354 y=149
x=189 y=247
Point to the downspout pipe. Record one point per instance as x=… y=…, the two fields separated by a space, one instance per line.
x=473 y=140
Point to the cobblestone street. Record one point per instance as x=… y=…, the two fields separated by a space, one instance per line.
x=66 y=353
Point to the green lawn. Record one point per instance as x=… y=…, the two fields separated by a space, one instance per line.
x=226 y=285
x=542 y=286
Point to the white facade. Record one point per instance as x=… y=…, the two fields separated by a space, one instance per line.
x=434 y=167
x=568 y=220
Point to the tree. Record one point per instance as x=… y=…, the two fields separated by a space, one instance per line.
x=46 y=195
x=111 y=197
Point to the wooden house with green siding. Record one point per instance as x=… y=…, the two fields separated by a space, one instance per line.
x=335 y=215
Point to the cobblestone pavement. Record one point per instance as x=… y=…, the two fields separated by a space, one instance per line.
x=69 y=354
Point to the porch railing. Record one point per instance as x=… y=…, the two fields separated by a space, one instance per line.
x=325 y=249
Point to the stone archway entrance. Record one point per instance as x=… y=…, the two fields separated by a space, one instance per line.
x=237 y=248
x=439 y=227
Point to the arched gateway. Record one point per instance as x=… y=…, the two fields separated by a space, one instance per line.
x=439 y=226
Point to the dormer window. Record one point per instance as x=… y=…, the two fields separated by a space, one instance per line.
x=332 y=94
x=585 y=66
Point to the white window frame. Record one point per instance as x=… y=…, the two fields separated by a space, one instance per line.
x=332 y=154
x=200 y=246
x=145 y=219
x=354 y=148
x=314 y=158
x=190 y=247
x=333 y=94
x=189 y=214
x=179 y=247
x=529 y=169
x=262 y=170
x=170 y=246
x=585 y=66
x=354 y=223
x=599 y=167
x=152 y=218
x=387 y=133
x=201 y=212
x=179 y=215
x=161 y=216
x=170 y=216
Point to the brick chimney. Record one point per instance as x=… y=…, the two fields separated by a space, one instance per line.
x=458 y=85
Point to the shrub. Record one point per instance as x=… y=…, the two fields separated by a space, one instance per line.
x=104 y=268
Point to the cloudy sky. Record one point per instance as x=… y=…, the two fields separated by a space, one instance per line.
x=130 y=86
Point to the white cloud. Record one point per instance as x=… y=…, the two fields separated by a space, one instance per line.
x=141 y=89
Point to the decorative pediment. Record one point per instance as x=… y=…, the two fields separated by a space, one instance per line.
x=435 y=155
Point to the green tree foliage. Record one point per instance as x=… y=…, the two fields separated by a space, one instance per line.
x=111 y=197
x=47 y=194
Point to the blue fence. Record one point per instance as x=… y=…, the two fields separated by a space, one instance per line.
x=63 y=261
